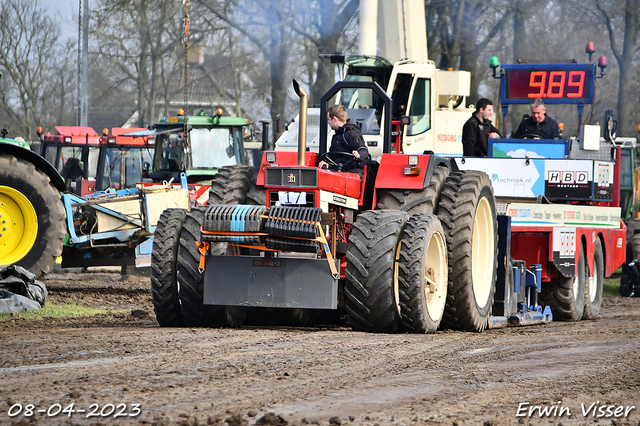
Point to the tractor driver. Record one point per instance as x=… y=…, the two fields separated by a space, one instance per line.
x=347 y=138
x=538 y=125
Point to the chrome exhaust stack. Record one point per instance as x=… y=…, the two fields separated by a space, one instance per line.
x=302 y=126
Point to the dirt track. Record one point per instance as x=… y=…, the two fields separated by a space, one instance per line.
x=310 y=375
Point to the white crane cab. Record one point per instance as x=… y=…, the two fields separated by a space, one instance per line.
x=433 y=100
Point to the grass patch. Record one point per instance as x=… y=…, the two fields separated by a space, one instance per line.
x=61 y=311
x=611 y=285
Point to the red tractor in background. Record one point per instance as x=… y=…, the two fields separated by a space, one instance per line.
x=74 y=152
x=91 y=163
x=124 y=160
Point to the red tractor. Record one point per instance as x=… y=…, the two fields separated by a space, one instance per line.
x=74 y=152
x=410 y=244
x=91 y=163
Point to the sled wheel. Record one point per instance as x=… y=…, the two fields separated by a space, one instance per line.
x=566 y=297
x=593 y=286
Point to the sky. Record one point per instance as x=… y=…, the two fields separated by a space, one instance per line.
x=66 y=13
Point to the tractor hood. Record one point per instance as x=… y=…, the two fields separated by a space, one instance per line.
x=156 y=131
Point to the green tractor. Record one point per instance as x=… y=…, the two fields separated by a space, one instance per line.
x=214 y=142
x=32 y=216
x=216 y=146
x=630 y=214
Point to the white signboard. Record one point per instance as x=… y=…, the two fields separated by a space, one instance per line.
x=510 y=177
x=570 y=215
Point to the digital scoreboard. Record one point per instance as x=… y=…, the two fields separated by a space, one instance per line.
x=555 y=83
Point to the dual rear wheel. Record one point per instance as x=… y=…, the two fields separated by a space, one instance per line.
x=177 y=297
x=413 y=272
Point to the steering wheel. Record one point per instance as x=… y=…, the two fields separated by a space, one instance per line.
x=337 y=158
x=530 y=136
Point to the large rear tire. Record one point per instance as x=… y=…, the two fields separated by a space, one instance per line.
x=371 y=285
x=468 y=215
x=32 y=222
x=230 y=185
x=256 y=195
x=164 y=267
x=412 y=201
x=633 y=240
x=566 y=297
x=191 y=284
x=594 y=284
x=422 y=274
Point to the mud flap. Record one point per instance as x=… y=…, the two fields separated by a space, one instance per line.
x=143 y=253
x=281 y=282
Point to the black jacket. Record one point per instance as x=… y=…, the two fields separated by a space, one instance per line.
x=548 y=129
x=348 y=138
x=475 y=137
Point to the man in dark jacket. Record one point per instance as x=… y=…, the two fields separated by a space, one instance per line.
x=538 y=125
x=347 y=138
x=478 y=129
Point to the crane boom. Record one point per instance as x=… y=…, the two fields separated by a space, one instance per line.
x=396 y=27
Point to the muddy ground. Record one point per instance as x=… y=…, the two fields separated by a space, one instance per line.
x=539 y=375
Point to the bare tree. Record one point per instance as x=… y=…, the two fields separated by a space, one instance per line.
x=622 y=30
x=324 y=22
x=267 y=25
x=460 y=30
x=31 y=74
x=138 y=38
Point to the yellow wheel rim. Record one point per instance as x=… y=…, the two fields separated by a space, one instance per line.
x=435 y=276
x=18 y=225
x=482 y=252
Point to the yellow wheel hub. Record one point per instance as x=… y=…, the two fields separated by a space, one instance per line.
x=18 y=225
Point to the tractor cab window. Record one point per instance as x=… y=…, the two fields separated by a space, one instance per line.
x=626 y=169
x=359 y=98
x=366 y=68
x=363 y=106
x=172 y=151
x=420 y=107
x=216 y=147
x=238 y=143
x=71 y=165
x=133 y=159
x=400 y=94
x=50 y=153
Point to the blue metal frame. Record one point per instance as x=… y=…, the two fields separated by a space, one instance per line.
x=125 y=235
